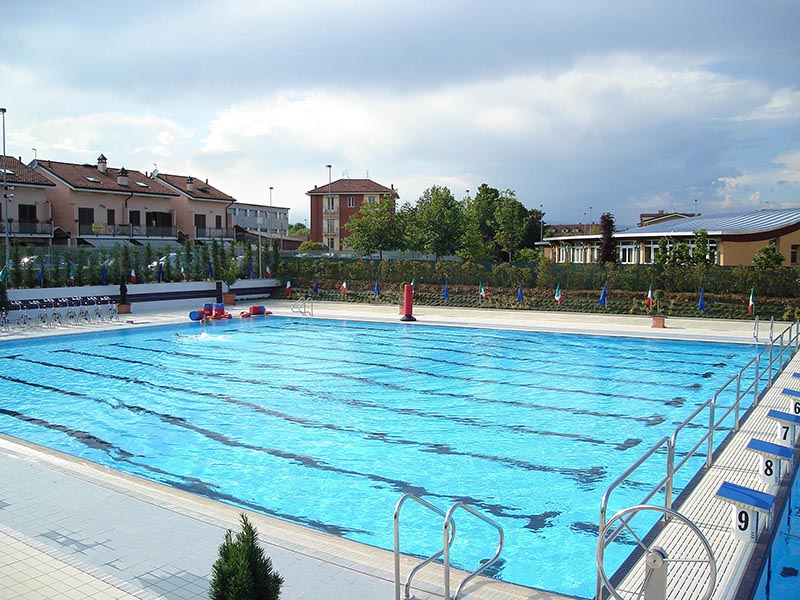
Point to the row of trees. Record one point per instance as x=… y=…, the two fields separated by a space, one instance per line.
x=490 y=226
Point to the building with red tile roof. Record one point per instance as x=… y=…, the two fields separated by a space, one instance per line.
x=29 y=217
x=201 y=210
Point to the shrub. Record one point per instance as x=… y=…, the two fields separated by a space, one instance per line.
x=242 y=571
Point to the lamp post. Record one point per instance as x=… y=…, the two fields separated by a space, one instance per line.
x=330 y=198
x=541 y=222
x=5 y=191
x=259 y=220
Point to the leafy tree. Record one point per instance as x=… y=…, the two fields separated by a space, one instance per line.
x=681 y=255
x=473 y=245
x=373 y=229
x=485 y=204
x=299 y=230
x=243 y=571
x=309 y=246
x=510 y=221
x=608 y=246
x=409 y=237
x=439 y=221
x=703 y=255
x=768 y=257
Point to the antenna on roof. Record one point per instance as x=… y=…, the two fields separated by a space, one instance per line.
x=367 y=173
x=154 y=174
x=345 y=174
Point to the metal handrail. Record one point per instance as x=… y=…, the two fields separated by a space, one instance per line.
x=300 y=304
x=425 y=562
x=449 y=526
x=789 y=338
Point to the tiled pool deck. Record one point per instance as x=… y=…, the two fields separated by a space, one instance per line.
x=71 y=529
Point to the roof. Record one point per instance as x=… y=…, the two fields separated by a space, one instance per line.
x=88 y=178
x=351 y=186
x=200 y=190
x=18 y=173
x=753 y=221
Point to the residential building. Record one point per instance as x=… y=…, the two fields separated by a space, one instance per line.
x=100 y=206
x=661 y=216
x=333 y=204
x=734 y=238
x=29 y=219
x=201 y=210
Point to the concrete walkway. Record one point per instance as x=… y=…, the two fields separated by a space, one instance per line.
x=73 y=529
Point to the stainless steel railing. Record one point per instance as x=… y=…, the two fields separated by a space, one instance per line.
x=742 y=385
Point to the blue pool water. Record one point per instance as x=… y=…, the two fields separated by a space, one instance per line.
x=328 y=423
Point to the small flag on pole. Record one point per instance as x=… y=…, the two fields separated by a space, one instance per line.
x=377 y=289
x=316 y=286
x=267 y=273
x=250 y=271
x=72 y=273
x=343 y=287
x=649 y=300
x=520 y=295
x=446 y=292
x=210 y=271
x=288 y=287
x=3 y=274
x=103 y=275
x=701 y=304
x=40 y=276
x=558 y=295
x=160 y=275
x=481 y=291
x=751 y=306
x=133 y=275
x=603 y=295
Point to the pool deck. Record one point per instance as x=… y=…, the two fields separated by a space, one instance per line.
x=73 y=529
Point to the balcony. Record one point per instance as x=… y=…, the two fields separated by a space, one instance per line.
x=208 y=233
x=330 y=211
x=18 y=229
x=126 y=231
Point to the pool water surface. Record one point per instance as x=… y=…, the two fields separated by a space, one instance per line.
x=328 y=423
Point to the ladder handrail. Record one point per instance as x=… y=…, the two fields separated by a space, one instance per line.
x=299 y=306
x=430 y=559
x=448 y=521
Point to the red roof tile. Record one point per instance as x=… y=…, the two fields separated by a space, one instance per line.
x=200 y=190
x=351 y=186
x=88 y=178
x=18 y=173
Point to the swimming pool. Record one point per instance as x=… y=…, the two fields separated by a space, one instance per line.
x=327 y=423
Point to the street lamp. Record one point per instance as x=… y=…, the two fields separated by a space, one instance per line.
x=5 y=191
x=330 y=198
x=259 y=221
x=541 y=222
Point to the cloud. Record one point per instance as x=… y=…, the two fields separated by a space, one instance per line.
x=783 y=105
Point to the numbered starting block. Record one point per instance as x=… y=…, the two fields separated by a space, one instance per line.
x=770 y=457
x=787 y=426
x=747 y=505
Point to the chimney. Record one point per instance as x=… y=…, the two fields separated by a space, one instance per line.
x=190 y=184
x=102 y=161
x=122 y=177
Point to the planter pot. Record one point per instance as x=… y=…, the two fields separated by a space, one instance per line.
x=229 y=298
x=659 y=322
x=123 y=309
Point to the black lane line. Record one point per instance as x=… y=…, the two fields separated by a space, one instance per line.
x=505 y=367
x=678 y=401
x=625 y=445
x=586 y=476
x=479 y=335
x=649 y=421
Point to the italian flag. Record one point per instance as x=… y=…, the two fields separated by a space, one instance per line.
x=649 y=300
x=481 y=291
x=343 y=287
x=559 y=296
x=752 y=304
x=288 y=287
x=267 y=273
x=133 y=276
x=3 y=274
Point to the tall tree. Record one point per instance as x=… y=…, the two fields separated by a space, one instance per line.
x=373 y=229
x=510 y=221
x=473 y=245
x=439 y=220
x=608 y=246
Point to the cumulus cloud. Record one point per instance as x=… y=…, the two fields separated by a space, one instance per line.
x=783 y=105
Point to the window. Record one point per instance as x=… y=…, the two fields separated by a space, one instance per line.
x=85 y=216
x=141 y=184
x=136 y=218
x=331 y=205
x=628 y=253
x=111 y=216
x=6 y=171
x=793 y=255
x=650 y=252
x=200 y=221
x=218 y=222
x=91 y=179
x=371 y=200
x=27 y=213
x=578 y=254
x=351 y=202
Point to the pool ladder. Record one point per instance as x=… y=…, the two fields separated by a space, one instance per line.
x=304 y=306
x=449 y=536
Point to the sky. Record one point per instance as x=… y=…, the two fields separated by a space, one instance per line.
x=580 y=107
